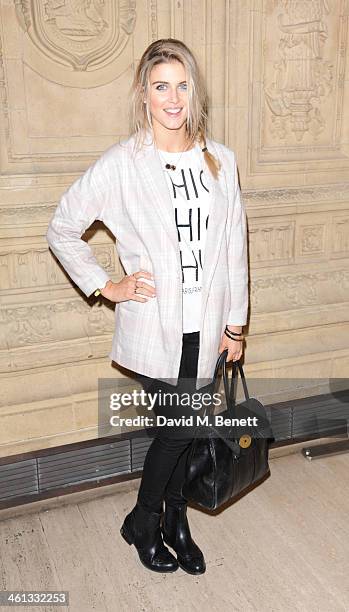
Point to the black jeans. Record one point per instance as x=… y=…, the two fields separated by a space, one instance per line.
x=165 y=463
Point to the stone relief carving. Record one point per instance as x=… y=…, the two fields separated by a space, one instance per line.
x=329 y=193
x=4 y=98
x=341 y=237
x=153 y=20
x=82 y=35
x=41 y=212
x=272 y=294
x=302 y=75
x=36 y=267
x=35 y=324
x=76 y=19
x=272 y=242
x=312 y=239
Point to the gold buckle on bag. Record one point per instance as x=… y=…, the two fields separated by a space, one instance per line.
x=245 y=441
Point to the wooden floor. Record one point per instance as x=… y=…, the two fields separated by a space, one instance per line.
x=284 y=546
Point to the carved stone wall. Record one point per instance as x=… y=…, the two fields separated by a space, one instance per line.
x=277 y=76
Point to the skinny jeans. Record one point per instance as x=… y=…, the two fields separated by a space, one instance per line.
x=164 y=466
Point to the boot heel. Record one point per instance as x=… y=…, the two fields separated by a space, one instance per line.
x=141 y=527
x=126 y=535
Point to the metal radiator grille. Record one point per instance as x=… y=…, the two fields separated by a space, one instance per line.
x=18 y=478
x=56 y=469
x=84 y=464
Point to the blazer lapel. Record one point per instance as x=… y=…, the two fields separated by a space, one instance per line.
x=157 y=193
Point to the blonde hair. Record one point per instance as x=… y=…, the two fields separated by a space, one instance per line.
x=168 y=50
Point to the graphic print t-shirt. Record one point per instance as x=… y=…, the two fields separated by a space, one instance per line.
x=189 y=190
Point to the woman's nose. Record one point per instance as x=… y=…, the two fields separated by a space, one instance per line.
x=173 y=95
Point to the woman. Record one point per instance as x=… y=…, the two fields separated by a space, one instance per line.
x=171 y=197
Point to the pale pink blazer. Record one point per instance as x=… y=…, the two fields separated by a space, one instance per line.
x=127 y=190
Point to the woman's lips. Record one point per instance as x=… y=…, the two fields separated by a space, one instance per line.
x=173 y=114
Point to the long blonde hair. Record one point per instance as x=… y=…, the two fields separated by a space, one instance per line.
x=167 y=50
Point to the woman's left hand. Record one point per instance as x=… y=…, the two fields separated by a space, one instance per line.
x=235 y=347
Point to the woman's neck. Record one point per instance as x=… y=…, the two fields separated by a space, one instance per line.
x=175 y=144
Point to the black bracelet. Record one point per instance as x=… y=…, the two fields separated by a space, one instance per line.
x=234 y=333
x=232 y=338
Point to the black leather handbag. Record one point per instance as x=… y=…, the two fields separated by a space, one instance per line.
x=223 y=461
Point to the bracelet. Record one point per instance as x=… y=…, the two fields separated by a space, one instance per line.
x=232 y=337
x=233 y=333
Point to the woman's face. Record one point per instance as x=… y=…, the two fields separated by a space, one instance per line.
x=168 y=95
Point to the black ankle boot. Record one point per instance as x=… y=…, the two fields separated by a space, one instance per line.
x=176 y=533
x=142 y=528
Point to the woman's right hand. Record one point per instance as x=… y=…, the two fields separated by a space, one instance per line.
x=130 y=288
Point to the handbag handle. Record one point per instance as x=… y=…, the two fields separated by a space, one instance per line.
x=230 y=394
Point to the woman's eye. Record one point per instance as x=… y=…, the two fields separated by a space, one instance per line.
x=162 y=86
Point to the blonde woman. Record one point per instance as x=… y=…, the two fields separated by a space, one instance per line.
x=170 y=195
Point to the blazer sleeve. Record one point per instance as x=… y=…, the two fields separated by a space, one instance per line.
x=237 y=257
x=81 y=204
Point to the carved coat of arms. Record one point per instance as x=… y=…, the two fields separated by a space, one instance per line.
x=80 y=34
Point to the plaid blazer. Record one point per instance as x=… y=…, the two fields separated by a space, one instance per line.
x=127 y=191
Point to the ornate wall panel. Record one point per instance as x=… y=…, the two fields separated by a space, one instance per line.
x=277 y=76
x=72 y=61
x=300 y=52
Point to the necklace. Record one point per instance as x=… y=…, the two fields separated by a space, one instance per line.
x=169 y=166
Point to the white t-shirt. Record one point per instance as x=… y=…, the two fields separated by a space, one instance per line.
x=190 y=197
